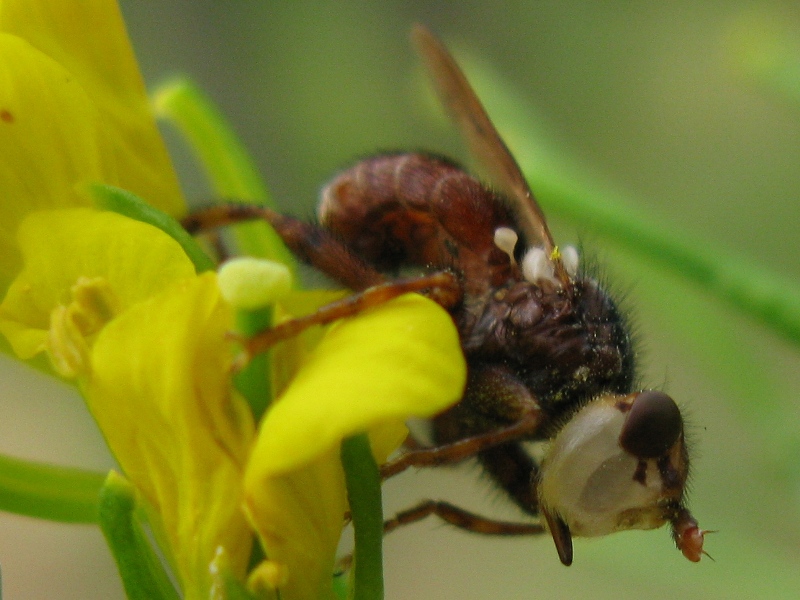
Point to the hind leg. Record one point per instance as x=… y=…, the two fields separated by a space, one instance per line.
x=311 y=243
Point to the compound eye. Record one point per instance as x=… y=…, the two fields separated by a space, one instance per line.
x=653 y=424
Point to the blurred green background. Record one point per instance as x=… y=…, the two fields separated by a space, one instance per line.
x=690 y=110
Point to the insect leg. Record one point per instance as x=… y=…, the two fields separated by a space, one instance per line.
x=497 y=401
x=309 y=242
x=457 y=451
x=442 y=287
x=453 y=515
x=460 y=518
x=321 y=249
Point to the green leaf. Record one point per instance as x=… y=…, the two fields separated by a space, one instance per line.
x=49 y=492
x=142 y=572
x=108 y=197
x=364 y=494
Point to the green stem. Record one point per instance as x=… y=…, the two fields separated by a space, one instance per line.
x=229 y=166
x=254 y=381
x=234 y=176
x=364 y=494
x=142 y=572
x=230 y=169
x=48 y=492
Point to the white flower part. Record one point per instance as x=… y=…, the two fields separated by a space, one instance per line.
x=591 y=483
x=537 y=266
x=570 y=260
x=248 y=283
x=506 y=238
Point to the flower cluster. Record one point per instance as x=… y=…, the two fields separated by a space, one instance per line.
x=121 y=310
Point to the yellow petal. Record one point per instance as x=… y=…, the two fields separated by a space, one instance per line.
x=89 y=40
x=62 y=248
x=369 y=373
x=400 y=360
x=299 y=518
x=160 y=390
x=50 y=140
x=288 y=356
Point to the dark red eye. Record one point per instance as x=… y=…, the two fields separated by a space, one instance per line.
x=653 y=424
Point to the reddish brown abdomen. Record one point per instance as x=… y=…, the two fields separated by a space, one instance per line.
x=416 y=209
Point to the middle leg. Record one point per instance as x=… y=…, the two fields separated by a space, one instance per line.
x=497 y=408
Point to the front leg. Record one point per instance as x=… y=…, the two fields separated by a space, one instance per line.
x=442 y=287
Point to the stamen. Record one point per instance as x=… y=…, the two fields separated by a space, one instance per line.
x=268 y=576
x=74 y=326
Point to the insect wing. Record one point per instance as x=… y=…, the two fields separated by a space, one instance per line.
x=482 y=137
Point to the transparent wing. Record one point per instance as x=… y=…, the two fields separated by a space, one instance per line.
x=482 y=138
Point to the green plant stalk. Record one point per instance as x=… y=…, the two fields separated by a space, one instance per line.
x=108 y=197
x=340 y=588
x=232 y=174
x=364 y=494
x=44 y=491
x=254 y=382
x=230 y=169
x=142 y=572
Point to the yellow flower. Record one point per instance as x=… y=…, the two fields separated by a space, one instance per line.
x=161 y=392
x=73 y=109
x=90 y=288
x=368 y=374
x=118 y=302
x=74 y=254
x=118 y=307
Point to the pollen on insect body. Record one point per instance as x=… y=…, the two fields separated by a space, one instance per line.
x=506 y=238
x=570 y=260
x=536 y=266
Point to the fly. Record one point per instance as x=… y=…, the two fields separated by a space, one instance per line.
x=549 y=354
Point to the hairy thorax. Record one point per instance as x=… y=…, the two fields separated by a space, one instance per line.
x=566 y=348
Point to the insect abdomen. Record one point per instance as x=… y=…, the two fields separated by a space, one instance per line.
x=417 y=209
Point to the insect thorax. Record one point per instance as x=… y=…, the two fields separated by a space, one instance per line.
x=566 y=349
